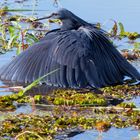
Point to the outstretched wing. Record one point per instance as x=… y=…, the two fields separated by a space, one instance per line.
x=90 y=58
x=72 y=51
x=65 y=50
x=84 y=57
x=112 y=67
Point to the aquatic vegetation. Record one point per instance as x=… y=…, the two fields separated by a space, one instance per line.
x=72 y=97
x=119 y=32
x=63 y=121
x=8 y=102
x=122 y=91
x=111 y=96
x=130 y=35
x=127 y=105
x=102 y=126
x=131 y=55
x=15 y=34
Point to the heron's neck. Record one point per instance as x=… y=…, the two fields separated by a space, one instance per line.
x=69 y=24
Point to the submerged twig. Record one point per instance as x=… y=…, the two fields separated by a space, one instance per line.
x=40 y=138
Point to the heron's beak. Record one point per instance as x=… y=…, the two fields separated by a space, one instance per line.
x=45 y=17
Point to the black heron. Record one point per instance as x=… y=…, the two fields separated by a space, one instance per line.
x=85 y=56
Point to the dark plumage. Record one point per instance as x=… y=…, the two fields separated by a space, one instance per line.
x=83 y=53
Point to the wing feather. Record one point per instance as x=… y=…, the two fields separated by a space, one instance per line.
x=85 y=58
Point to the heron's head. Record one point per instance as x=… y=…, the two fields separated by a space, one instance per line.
x=68 y=19
x=61 y=14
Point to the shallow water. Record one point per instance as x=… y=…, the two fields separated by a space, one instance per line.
x=125 y=11
x=112 y=134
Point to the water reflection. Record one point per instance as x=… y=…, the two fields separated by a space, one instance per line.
x=112 y=134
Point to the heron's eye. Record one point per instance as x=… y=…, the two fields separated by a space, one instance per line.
x=55 y=14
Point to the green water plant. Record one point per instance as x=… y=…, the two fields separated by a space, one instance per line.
x=62 y=121
x=73 y=98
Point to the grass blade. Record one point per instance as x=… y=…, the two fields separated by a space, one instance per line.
x=33 y=84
